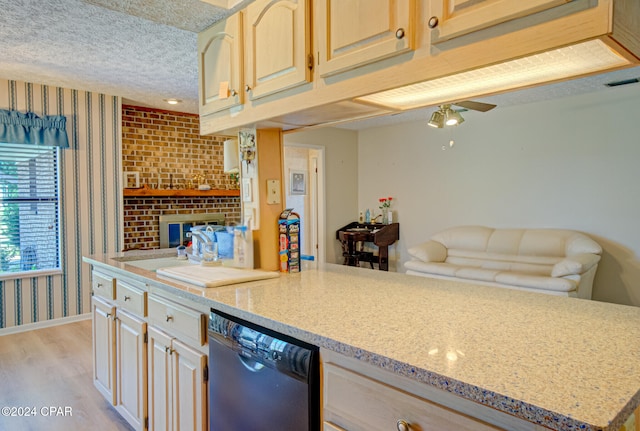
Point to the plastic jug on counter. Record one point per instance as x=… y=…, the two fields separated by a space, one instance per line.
x=243 y=247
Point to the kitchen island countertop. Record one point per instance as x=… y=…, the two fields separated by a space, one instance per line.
x=563 y=363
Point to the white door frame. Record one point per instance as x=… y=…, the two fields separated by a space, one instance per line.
x=318 y=204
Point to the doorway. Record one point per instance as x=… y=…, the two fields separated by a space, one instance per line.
x=304 y=192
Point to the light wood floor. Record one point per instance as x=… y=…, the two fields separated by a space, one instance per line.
x=52 y=367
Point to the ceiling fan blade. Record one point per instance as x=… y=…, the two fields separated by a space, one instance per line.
x=476 y=106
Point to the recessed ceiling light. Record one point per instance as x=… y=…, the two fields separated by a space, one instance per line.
x=172 y=101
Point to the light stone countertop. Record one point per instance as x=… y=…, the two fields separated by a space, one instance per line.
x=564 y=363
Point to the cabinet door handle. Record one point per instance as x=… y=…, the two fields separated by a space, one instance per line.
x=108 y=315
x=403 y=425
x=400 y=33
x=433 y=22
x=99 y=285
x=169 y=317
x=234 y=93
x=127 y=298
x=247 y=88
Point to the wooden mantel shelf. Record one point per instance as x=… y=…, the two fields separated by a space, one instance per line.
x=148 y=192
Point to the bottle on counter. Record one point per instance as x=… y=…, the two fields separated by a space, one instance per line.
x=361 y=218
x=367 y=216
x=242 y=247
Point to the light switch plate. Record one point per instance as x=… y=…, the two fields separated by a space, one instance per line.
x=273 y=192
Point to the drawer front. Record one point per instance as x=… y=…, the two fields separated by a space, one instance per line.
x=356 y=402
x=131 y=298
x=103 y=285
x=183 y=323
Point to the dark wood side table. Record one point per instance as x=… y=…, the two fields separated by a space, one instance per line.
x=354 y=234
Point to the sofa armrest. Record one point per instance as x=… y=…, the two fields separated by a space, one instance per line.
x=430 y=251
x=576 y=264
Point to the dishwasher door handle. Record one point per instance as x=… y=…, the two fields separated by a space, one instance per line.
x=250 y=364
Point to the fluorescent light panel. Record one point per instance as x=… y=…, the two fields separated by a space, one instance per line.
x=562 y=63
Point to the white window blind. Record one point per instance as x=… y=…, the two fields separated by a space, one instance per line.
x=29 y=208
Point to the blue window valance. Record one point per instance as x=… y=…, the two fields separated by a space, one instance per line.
x=30 y=129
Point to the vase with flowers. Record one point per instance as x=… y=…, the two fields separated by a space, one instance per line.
x=385 y=205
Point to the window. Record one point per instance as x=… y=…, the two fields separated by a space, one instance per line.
x=29 y=208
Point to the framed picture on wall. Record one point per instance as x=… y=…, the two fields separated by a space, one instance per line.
x=131 y=180
x=298 y=183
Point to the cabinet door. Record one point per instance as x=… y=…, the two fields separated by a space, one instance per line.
x=189 y=389
x=354 y=33
x=277 y=46
x=159 y=367
x=104 y=350
x=131 y=369
x=220 y=65
x=453 y=18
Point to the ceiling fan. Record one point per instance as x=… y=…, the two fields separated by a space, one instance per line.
x=446 y=116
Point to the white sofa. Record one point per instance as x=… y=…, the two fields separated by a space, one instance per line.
x=553 y=261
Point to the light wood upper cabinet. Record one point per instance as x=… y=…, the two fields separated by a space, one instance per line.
x=454 y=18
x=354 y=33
x=277 y=46
x=220 y=63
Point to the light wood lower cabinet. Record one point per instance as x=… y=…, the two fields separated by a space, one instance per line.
x=178 y=377
x=120 y=360
x=131 y=369
x=355 y=402
x=104 y=347
x=149 y=356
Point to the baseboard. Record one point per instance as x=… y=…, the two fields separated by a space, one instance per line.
x=44 y=324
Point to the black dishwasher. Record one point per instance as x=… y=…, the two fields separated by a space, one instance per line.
x=260 y=380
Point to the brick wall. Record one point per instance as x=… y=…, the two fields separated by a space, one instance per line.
x=141 y=225
x=167 y=151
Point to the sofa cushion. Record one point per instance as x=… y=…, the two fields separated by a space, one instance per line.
x=499 y=257
x=477 y=274
x=536 y=281
x=430 y=251
x=575 y=264
x=432 y=267
x=465 y=237
x=578 y=244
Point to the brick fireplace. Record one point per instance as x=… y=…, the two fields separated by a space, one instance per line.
x=168 y=154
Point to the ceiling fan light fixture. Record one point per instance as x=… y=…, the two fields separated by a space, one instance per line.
x=437 y=119
x=451 y=117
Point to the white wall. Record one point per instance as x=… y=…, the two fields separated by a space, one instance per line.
x=568 y=163
x=341 y=179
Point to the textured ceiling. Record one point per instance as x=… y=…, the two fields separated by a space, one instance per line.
x=101 y=45
x=146 y=51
